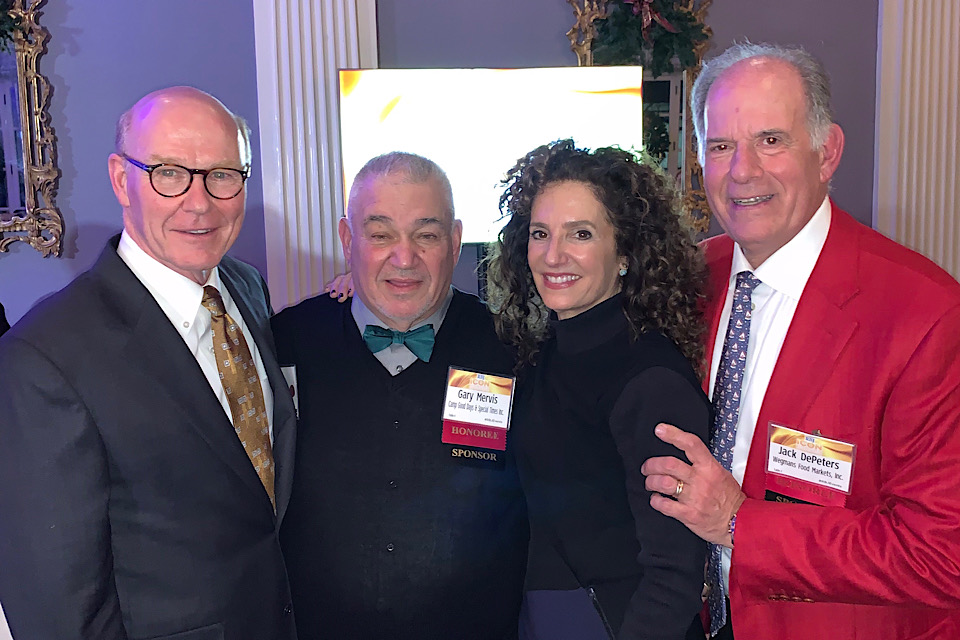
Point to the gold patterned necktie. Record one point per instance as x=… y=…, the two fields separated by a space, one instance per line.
x=241 y=383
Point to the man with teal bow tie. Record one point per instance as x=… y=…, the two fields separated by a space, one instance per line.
x=419 y=341
x=402 y=243
x=391 y=533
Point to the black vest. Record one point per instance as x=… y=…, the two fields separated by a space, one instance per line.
x=388 y=533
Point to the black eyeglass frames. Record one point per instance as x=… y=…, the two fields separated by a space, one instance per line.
x=172 y=180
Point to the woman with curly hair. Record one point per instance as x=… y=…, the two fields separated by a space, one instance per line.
x=596 y=282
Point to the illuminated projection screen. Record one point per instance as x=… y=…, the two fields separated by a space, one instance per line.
x=476 y=123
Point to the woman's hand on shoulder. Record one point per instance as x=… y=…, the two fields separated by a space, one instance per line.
x=341 y=287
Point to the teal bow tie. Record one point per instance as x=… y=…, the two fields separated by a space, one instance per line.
x=419 y=340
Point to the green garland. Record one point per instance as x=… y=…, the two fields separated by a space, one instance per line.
x=621 y=39
x=8 y=25
x=656 y=137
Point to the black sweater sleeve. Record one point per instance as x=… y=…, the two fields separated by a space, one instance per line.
x=672 y=557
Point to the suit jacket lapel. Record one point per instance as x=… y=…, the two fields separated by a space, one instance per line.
x=159 y=352
x=718 y=253
x=284 y=417
x=818 y=332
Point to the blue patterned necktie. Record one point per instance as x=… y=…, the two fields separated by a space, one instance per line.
x=419 y=340
x=726 y=405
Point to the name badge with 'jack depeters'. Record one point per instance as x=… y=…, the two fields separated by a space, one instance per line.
x=477 y=408
x=808 y=468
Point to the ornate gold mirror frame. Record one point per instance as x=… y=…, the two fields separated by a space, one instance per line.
x=582 y=35
x=39 y=223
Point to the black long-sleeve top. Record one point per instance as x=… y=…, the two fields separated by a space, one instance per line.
x=589 y=426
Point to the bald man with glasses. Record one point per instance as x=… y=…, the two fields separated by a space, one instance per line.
x=148 y=432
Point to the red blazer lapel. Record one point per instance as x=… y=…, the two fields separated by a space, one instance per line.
x=818 y=333
x=718 y=254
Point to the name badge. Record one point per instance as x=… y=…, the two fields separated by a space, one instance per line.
x=808 y=467
x=477 y=408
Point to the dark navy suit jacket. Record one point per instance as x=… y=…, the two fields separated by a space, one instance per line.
x=128 y=507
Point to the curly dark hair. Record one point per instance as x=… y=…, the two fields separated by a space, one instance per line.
x=665 y=272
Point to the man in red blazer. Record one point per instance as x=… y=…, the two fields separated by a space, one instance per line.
x=852 y=344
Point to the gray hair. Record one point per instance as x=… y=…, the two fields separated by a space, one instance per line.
x=410 y=167
x=816 y=86
x=126 y=120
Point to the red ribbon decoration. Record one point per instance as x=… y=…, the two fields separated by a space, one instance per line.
x=648 y=14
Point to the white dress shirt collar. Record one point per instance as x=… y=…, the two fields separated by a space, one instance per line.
x=178 y=296
x=396 y=357
x=789 y=268
x=363 y=316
